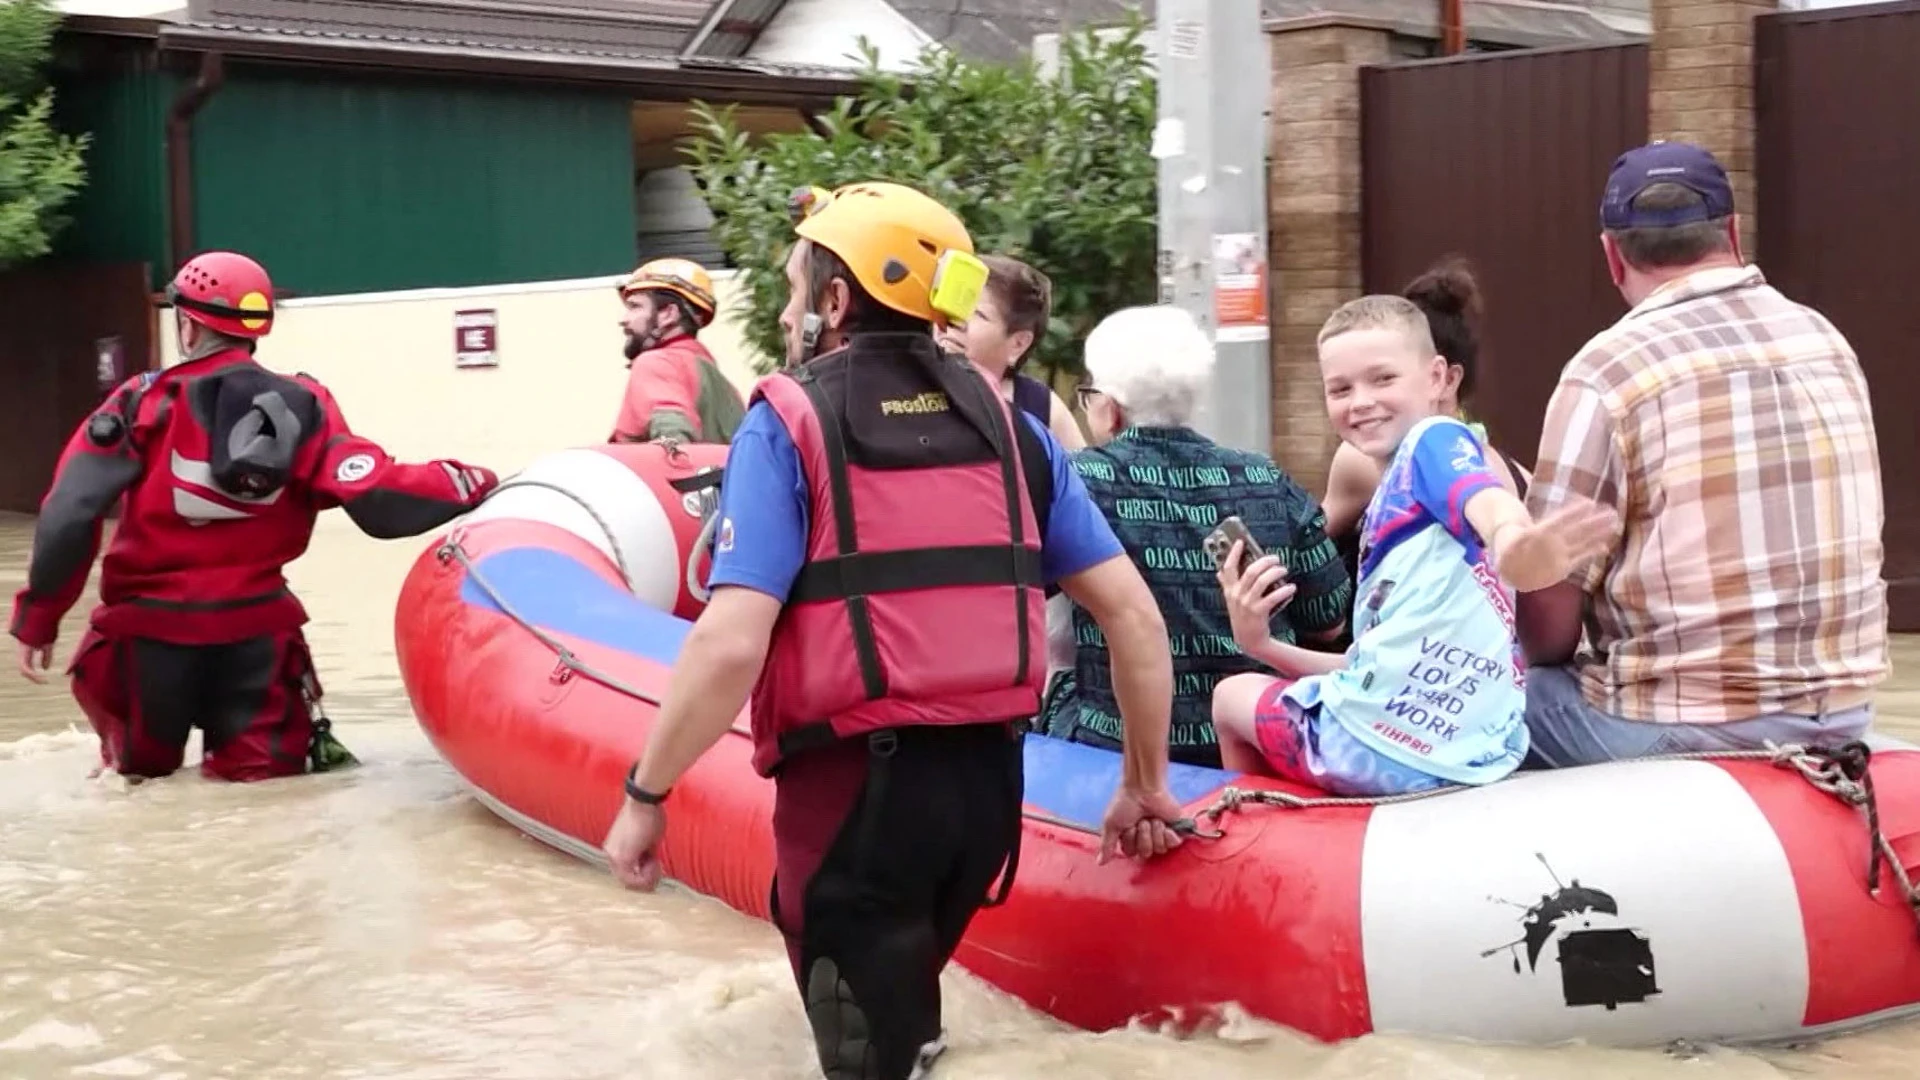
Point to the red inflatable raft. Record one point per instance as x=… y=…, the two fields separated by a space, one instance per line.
x=1630 y=904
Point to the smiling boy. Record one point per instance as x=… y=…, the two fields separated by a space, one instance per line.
x=1432 y=690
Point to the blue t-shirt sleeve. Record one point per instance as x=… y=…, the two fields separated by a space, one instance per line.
x=762 y=539
x=1078 y=536
x=1449 y=466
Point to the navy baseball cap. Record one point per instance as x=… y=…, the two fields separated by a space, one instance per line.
x=1688 y=164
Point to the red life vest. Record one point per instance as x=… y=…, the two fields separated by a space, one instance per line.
x=920 y=602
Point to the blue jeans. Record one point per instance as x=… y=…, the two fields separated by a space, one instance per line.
x=1568 y=731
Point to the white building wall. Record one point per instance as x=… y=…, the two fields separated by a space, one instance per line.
x=826 y=33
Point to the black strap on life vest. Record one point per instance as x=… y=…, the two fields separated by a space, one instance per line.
x=865 y=648
x=1024 y=567
x=875 y=572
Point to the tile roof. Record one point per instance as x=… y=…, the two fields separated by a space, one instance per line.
x=1004 y=29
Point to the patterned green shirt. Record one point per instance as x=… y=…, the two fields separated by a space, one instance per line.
x=1163 y=490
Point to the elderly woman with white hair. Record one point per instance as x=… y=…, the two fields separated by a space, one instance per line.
x=1164 y=487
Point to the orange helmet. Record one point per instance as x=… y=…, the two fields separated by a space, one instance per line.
x=906 y=250
x=684 y=278
x=224 y=291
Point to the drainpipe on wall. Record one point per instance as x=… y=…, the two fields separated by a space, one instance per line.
x=715 y=17
x=1453 y=27
x=180 y=155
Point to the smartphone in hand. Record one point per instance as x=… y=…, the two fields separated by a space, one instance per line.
x=1220 y=541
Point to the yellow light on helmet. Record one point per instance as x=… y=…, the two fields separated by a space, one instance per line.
x=958 y=280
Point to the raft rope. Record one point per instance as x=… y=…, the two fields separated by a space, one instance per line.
x=695 y=587
x=613 y=543
x=569 y=662
x=709 y=524
x=708 y=527
x=1843 y=772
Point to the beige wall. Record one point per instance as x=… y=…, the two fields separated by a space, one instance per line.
x=388 y=358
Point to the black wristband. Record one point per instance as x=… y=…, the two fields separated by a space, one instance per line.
x=642 y=795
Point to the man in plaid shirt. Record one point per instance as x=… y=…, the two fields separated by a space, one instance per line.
x=1731 y=430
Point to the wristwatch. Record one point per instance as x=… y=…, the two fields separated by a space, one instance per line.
x=642 y=795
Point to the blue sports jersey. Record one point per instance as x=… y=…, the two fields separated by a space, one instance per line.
x=1434 y=678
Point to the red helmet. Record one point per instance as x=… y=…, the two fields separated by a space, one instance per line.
x=224 y=291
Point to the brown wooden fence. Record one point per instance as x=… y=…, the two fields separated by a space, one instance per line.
x=1502 y=158
x=56 y=322
x=1838 y=164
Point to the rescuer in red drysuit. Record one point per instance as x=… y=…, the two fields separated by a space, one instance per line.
x=223 y=466
x=888 y=523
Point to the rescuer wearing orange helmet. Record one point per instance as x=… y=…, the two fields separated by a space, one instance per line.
x=220 y=467
x=675 y=389
x=877 y=496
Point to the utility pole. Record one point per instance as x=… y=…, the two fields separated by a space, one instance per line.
x=1211 y=141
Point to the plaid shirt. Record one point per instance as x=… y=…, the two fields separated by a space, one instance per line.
x=1730 y=428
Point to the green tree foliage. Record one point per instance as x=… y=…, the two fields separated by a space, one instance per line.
x=40 y=169
x=1054 y=170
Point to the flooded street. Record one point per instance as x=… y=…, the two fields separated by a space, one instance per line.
x=380 y=924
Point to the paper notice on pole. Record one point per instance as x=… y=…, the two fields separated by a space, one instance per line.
x=1183 y=39
x=1239 y=287
x=1169 y=139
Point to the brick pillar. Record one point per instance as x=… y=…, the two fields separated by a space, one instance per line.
x=1700 y=88
x=1313 y=209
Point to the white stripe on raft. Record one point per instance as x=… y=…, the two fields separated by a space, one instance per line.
x=1694 y=867
x=621 y=499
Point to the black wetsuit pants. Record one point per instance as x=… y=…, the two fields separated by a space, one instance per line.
x=886 y=846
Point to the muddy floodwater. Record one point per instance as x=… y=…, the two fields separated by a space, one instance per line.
x=380 y=924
